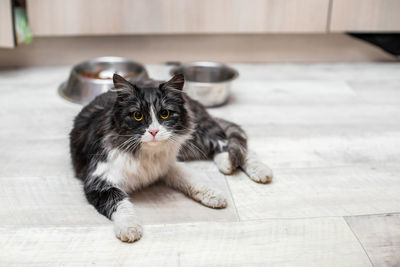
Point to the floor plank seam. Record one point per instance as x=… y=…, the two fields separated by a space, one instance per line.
x=110 y=225
x=377 y=164
x=374 y=214
x=355 y=235
x=233 y=200
x=319 y=217
x=194 y=222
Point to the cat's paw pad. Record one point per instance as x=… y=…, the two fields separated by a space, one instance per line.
x=211 y=198
x=259 y=172
x=223 y=163
x=128 y=233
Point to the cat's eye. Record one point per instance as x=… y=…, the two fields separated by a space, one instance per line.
x=137 y=115
x=164 y=113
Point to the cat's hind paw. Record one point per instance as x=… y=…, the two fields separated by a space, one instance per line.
x=259 y=172
x=210 y=198
x=223 y=163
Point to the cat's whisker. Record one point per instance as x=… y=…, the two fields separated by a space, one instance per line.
x=126 y=143
x=191 y=147
x=120 y=146
x=133 y=146
x=195 y=149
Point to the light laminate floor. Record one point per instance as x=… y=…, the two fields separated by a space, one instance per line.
x=330 y=132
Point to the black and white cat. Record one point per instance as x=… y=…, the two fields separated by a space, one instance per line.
x=132 y=136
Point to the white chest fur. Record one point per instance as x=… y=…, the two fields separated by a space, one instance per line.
x=131 y=173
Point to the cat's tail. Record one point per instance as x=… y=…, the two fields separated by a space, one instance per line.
x=237 y=141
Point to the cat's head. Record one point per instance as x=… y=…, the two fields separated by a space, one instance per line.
x=150 y=114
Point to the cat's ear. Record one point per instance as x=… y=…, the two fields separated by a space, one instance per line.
x=176 y=82
x=122 y=87
x=120 y=83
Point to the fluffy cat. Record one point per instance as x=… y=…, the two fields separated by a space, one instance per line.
x=131 y=136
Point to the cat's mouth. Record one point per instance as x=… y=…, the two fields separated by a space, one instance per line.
x=155 y=142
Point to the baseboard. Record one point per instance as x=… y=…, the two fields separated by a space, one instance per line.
x=243 y=48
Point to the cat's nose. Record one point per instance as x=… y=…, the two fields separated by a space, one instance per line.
x=153 y=132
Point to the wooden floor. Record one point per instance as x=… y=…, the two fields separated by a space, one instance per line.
x=330 y=132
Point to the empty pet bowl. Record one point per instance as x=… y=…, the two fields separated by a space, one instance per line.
x=207 y=82
x=94 y=77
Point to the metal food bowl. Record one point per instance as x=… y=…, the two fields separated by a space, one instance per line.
x=94 y=77
x=207 y=82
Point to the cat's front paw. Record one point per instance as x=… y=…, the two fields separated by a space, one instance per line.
x=126 y=222
x=128 y=233
x=211 y=198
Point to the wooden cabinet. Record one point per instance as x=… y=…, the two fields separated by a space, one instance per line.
x=6 y=24
x=99 y=17
x=124 y=17
x=365 y=15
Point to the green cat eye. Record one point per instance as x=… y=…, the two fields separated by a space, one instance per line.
x=164 y=113
x=138 y=115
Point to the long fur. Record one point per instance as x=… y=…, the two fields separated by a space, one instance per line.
x=115 y=154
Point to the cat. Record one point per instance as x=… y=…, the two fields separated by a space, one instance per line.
x=133 y=135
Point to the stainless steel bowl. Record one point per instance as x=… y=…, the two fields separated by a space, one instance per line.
x=207 y=82
x=94 y=77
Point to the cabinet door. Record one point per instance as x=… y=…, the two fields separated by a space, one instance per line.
x=88 y=17
x=6 y=24
x=365 y=15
